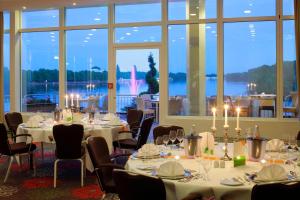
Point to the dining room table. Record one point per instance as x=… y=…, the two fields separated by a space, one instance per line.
x=215 y=183
x=43 y=133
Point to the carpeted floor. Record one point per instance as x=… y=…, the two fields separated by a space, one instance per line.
x=21 y=184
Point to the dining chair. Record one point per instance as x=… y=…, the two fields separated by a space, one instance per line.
x=12 y=150
x=134 y=119
x=68 y=140
x=159 y=131
x=266 y=106
x=293 y=108
x=132 y=186
x=135 y=144
x=143 y=105
x=244 y=103
x=13 y=120
x=276 y=191
x=103 y=163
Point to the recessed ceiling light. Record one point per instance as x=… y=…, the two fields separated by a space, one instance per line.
x=52 y=33
x=24 y=7
x=97 y=19
x=74 y=3
x=208 y=27
x=193 y=14
x=247 y=11
x=93 y=29
x=52 y=36
x=56 y=57
x=135 y=30
x=128 y=33
x=85 y=41
x=91 y=34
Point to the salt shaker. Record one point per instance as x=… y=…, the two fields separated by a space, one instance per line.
x=216 y=164
x=222 y=164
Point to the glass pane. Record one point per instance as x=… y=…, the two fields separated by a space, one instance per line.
x=192 y=9
x=288 y=7
x=250 y=68
x=6 y=73
x=146 y=12
x=290 y=99
x=137 y=74
x=192 y=67
x=39 y=19
x=6 y=16
x=39 y=71
x=86 y=16
x=138 y=34
x=249 y=8
x=87 y=66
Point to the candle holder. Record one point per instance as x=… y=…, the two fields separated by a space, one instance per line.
x=238 y=132
x=226 y=157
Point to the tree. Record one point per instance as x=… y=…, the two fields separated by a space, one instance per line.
x=153 y=86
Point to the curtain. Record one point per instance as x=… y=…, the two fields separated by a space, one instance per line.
x=297 y=36
x=1 y=67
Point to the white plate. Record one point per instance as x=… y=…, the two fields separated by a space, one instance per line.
x=186 y=174
x=231 y=182
x=146 y=157
x=145 y=167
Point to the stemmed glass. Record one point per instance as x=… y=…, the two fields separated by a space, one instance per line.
x=165 y=139
x=180 y=135
x=172 y=136
x=159 y=140
x=207 y=165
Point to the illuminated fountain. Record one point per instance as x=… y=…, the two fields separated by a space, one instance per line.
x=133 y=81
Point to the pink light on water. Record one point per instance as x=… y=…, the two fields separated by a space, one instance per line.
x=133 y=81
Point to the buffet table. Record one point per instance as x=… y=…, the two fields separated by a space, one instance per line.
x=44 y=133
x=177 y=189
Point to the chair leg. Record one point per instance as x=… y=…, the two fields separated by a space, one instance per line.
x=55 y=173
x=82 y=173
x=42 y=150
x=11 y=159
x=32 y=160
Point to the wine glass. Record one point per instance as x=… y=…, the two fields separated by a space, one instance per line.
x=159 y=140
x=207 y=165
x=180 y=135
x=165 y=139
x=172 y=136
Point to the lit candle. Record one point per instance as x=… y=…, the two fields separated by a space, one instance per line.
x=177 y=157
x=214 y=117
x=226 y=117
x=66 y=101
x=238 y=110
x=77 y=99
x=72 y=100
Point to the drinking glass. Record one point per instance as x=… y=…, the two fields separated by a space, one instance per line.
x=172 y=136
x=180 y=135
x=159 y=140
x=207 y=165
x=165 y=139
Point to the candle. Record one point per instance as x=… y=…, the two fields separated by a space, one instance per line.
x=214 y=117
x=226 y=117
x=77 y=99
x=239 y=161
x=238 y=110
x=72 y=100
x=66 y=101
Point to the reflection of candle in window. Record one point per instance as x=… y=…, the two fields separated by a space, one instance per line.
x=87 y=88
x=238 y=110
x=226 y=117
x=72 y=100
x=77 y=98
x=66 y=101
x=214 y=117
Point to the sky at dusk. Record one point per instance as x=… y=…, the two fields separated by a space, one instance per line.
x=246 y=44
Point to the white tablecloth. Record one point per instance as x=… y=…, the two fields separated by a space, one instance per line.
x=109 y=133
x=178 y=190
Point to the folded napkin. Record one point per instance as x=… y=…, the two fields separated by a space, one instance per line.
x=34 y=121
x=271 y=173
x=170 y=168
x=207 y=142
x=109 y=116
x=115 y=121
x=148 y=150
x=274 y=145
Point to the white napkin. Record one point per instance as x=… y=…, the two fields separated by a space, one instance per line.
x=34 y=121
x=274 y=145
x=77 y=117
x=148 y=150
x=170 y=168
x=271 y=173
x=115 y=121
x=207 y=142
x=109 y=116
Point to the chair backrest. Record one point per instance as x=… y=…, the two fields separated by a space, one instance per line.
x=68 y=140
x=99 y=154
x=134 y=117
x=136 y=187
x=13 y=120
x=144 y=132
x=276 y=191
x=4 y=144
x=140 y=103
x=164 y=130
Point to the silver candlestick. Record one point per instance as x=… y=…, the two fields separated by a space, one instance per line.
x=226 y=157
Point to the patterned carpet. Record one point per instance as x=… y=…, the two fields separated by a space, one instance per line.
x=22 y=185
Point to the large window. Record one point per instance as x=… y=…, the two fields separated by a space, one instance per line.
x=87 y=66
x=88 y=16
x=6 y=75
x=250 y=68
x=39 y=71
x=192 y=69
x=138 y=34
x=39 y=19
x=144 y=12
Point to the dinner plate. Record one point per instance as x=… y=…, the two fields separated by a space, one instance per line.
x=25 y=126
x=186 y=174
x=231 y=182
